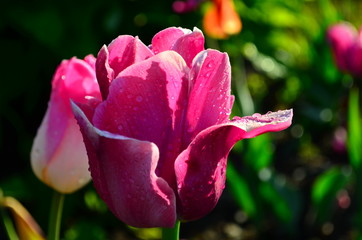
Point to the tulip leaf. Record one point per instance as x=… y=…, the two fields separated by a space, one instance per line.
x=278 y=204
x=324 y=191
x=354 y=130
x=86 y=229
x=257 y=158
x=240 y=190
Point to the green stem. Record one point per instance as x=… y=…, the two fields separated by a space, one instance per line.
x=9 y=227
x=55 y=216
x=171 y=233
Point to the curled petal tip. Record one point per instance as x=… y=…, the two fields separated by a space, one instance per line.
x=257 y=120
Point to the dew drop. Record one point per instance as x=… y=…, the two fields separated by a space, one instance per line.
x=139 y=99
x=81 y=180
x=210 y=65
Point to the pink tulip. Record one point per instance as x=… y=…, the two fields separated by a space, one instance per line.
x=158 y=142
x=185 y=6
x=346 y=46
x=58 y=155
x=354 y=53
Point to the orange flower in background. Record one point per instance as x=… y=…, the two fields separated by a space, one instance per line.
x=221 y=20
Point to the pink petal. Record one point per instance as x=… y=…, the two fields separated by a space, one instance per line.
x=165 y=39
x=105 y=73
x=189 y=45
x=121 y=53
x=91 y=60
x=125 y=51
x=74 y=79
x=210 y=101
x=123 y=171
x=146 y=102
x=58 y=154
x=200 y=169
x=341 y=36
x=354 y=56
x=66 y=169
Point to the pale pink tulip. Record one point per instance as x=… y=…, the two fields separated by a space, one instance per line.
x=158 y=141
x=58 y=155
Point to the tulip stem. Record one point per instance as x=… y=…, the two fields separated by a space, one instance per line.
x=55 y=216
x=9 y=227
x=171 y=233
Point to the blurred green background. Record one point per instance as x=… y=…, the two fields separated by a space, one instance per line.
x=302 y=183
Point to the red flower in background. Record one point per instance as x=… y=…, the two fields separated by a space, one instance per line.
x=346 y=45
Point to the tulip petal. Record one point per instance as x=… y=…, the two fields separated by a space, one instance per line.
x=210 y=101
x=74 y=164
x=341 y=37
x=121 y=53
x=146 y=102
x=189 y=45
x=74 y=79
x=27 y=227
x=200 y=169
x=104 y=72
x=123 y=172
x=166 y=39
x=354 y=53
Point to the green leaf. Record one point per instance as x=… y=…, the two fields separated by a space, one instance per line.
x=259 y=152
x=354 y=130
x=241 y=191
x=278 y=204
x=324 y=192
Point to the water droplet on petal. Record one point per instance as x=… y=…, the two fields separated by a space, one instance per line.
x=81 y=180
x=139 y=98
